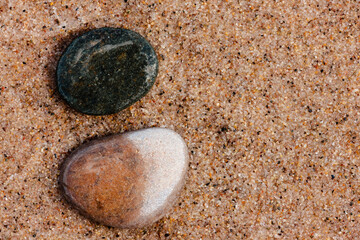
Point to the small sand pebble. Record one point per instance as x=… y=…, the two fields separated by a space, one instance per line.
x=106 y=70
x=127 y=180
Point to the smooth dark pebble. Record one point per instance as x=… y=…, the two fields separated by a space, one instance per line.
x=106 y=70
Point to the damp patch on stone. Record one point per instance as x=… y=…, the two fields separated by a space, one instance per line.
x=106 y=70
x=128 y=180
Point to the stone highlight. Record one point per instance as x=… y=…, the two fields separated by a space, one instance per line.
x=127 y=180
x=106 y=70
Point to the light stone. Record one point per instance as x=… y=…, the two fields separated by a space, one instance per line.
x=127 y=180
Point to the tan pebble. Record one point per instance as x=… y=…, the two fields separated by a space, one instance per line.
x=126 y=180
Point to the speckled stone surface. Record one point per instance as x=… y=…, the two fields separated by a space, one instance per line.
x=106 y=70
x=265 y=93
x=127 y=180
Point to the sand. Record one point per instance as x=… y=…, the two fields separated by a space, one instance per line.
x=265 y=94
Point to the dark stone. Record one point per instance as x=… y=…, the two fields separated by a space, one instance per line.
x=106 y=70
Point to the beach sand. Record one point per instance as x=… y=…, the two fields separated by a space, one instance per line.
x=265 y=94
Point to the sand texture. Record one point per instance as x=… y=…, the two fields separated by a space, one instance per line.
x=265 y=94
